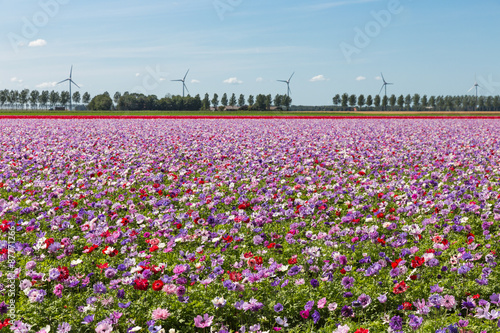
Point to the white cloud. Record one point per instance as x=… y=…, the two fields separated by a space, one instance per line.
x=195 y=81
x=360 y=78
x=318 y=78
x=378 y=78
x=15 y=79
x=38 y=43
x=137 y=74
x=259 y=79
x=233 y=80
x=47 y=85
x=162 y=79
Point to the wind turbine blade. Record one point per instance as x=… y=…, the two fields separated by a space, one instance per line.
x=382 y=76
x=282 y=81
x=186 y=75
x=186 y=88
x=471 y=88
x=291 y=76
x=381 y=89
x=176 y=80
x=62 y=81
x=74 y=83
x=390 y=83
x=71 y=72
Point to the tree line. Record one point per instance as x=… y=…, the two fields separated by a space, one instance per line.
x=26 y=99
x=415 y=102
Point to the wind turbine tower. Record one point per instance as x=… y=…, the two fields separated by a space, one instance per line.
x=70 y=80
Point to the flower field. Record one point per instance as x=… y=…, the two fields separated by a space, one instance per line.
x=254 y=225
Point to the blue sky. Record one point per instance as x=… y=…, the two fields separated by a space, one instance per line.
x=243 y=46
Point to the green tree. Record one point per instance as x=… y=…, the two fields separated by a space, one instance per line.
x=392 y=101
x=336 y=100
x=224 y=100
x=260 y=102
x=369 y=101
x=116 y=97
x=287 y=101
x=376 y=102
x=385 y=102
x=416 y=102
x=352 y=100
x=269 y=100
x=86 y=98
x=361 y=100
x=101 y=102
x=278 y=100
x=14 y=98
x=215 y=101
x=76 y=97
x=241 y=100
x=408 y=102
x=64 y=100
x=425 y=102
x=401 y=102
x=44 y=99
x=432 y=102
x=3 y=97
x=205 y=104
x=34 y=96
x=24 y=97
x=251 y=100
x=345 y=100
x=54 y=98
x=232 y=100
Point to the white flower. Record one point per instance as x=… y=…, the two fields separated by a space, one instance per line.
x=76 y=262
x=135 y=329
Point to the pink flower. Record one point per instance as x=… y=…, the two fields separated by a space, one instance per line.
x=322 y=303
x=204 y=321
x=304 y=314
x=58 y=290
x=169 y=289
x=160 y=314
x=104 y=328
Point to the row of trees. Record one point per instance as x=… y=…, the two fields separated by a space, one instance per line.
x=416 y=103
x=133 y=101
x=26 y=99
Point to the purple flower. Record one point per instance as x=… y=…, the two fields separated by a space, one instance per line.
x=347 y=282
x=396 y=323
x=204 y=321
x=63 y=328
x=87 y=320
x=278 y=307
x=415 y=322
x=314 y=283
x=309 y=305
x=99 y=288
x=347 y=311
x=3 y=308
x=124 y=306
x=382 y=298
x=316 y=316
x=365 y=300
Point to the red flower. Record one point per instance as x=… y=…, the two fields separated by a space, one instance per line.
x=49 y=241
x=400 y=288
x=395 y=264
x=362 y=330
x=141 y=284
x=178 y=226
x=417 y=262
x=407 y=305
x=248 y=255
x=292 y=261
x=63 y=273
x=381 y=241
x=153 y=248
x=476 y=296
x=343 y=271
x=271 y=245
x=258 y=260
x=157 y=285
x=235 y=276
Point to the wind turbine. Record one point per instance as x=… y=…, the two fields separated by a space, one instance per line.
x=475 y=86
x=70 y=80
x=183 y=83
x=384 y=85
x=287 y=84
